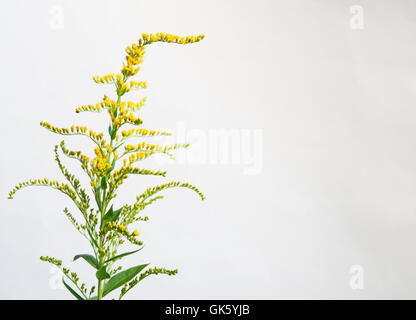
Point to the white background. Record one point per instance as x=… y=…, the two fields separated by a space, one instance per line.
x=336 y=107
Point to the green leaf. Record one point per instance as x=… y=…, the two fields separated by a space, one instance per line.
x=89 y=258
x=102 y=274
x=122 y=255
x=110 y=216
x=103 y=183
x=93 y=298
x=112 y=132
x=97 y=196
x=121 y=278
x=118 y=146
x=76 y=295
x=92 y=238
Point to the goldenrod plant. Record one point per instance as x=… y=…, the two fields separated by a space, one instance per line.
x=106 y=227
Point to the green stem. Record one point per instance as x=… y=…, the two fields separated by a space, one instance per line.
x=100 y=262
x=100 y=291
x=103 y=210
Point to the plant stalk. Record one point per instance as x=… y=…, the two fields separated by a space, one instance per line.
x=103 y=209
x=100 y=290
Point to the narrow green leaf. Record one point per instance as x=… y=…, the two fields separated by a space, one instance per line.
x=89 y=258
x=97 y=196
x=118 y=146
x=122 y=255
x=103 y=183
x=76 y=295
x=102 y=274
x=112 y=132
x=121 y=278
x=92 y=238
x=106 y=217
x=110 y=216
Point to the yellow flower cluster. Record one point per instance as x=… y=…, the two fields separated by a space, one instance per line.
x=118 y=80
x=91 y=133
x=134 y=57
x=108 y=79
x=136 y=52
x=113 y=225
x=122 y=87
x=135 y=106
x=125 y=116
x=138 y=85
x=143 y=133
x=100 y=164
x=75 y=130
x=77 y=155
x=98 y=107
x=90 y=108
x=170 y=38
x=123 y=230
x=108 y=103
x=143 y=146
x=139 y=156
x=63 y=131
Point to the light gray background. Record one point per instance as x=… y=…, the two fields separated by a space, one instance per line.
x=337 y=110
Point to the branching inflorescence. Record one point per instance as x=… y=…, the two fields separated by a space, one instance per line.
x=105 y=227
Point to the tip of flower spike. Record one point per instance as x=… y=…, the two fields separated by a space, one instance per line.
x=170 y=38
